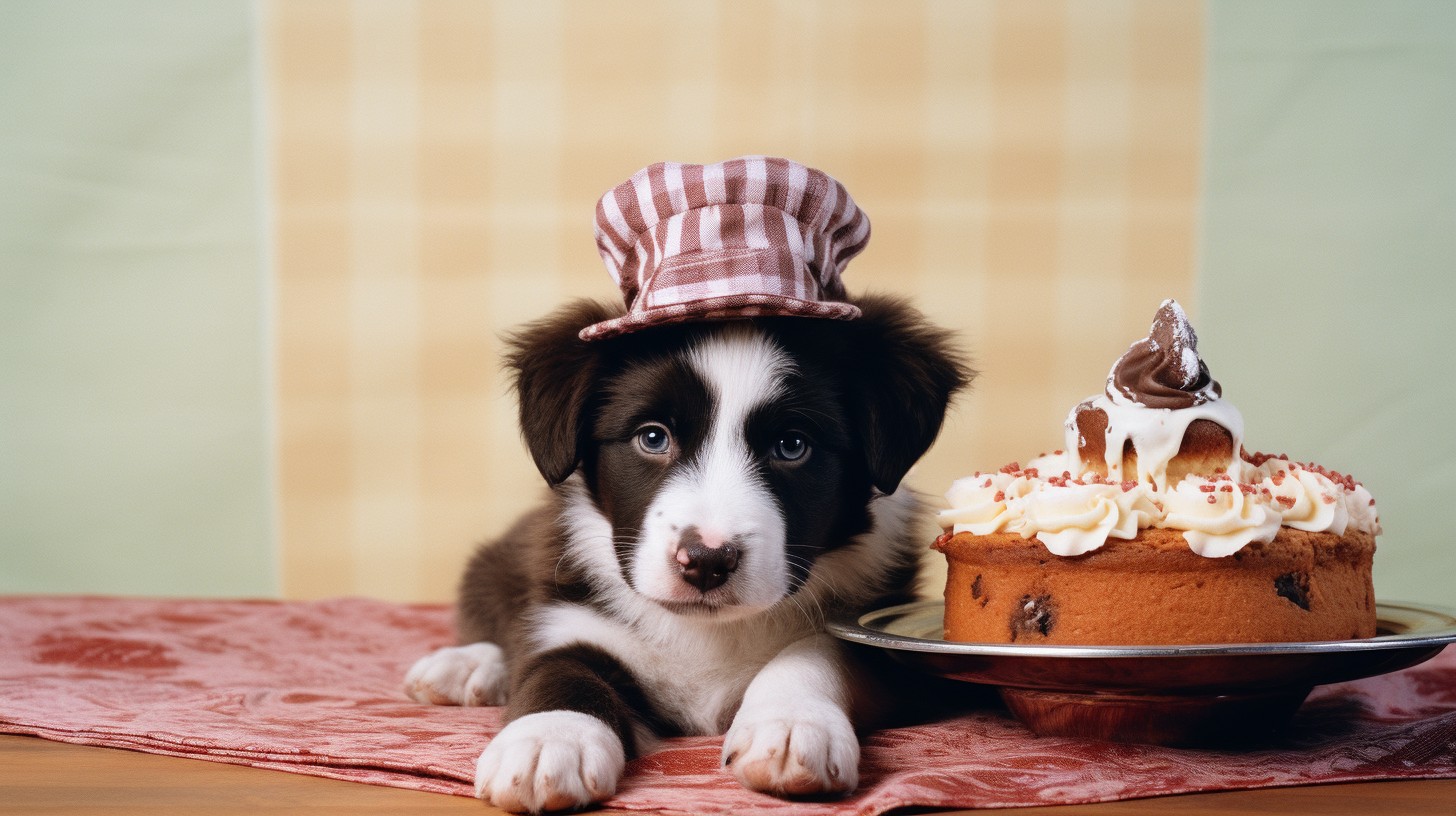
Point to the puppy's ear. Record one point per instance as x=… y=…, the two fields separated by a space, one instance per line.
x=903 y=372
x=555 y=377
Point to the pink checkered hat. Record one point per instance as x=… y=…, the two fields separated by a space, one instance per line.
x=742 y=238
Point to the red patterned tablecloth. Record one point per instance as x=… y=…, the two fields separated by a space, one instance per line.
x=314 y=687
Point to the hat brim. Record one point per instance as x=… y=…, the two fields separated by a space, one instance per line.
x=728 y=307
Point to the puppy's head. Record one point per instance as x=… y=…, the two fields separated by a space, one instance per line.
x=728 y=457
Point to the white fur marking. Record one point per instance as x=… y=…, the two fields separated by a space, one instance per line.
x=721 y=494
x=551 y=760
x=473 y=675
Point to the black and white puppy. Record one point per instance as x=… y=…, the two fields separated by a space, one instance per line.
x=719 y=491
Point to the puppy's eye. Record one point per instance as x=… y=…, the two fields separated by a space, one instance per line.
x=654 y=439
x=791 y=447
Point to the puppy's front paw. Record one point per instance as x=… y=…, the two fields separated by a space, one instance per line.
x=473 y=675
x=811 y=750
x=553 y=760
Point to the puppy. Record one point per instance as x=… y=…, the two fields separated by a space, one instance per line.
x=719 y=491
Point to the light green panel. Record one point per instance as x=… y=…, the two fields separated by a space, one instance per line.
x=133 y=425
x=1328 y=268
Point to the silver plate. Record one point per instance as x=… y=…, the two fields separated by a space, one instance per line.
x=1408 y=634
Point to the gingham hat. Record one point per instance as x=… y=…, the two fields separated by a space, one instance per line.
x=745 y=237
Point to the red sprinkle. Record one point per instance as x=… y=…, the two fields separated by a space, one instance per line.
x=1329 y=499
x=1348 y=482
x=1212 y=499
x=1284 y=500
x=1030 y=473
x=1014 y=467
x=1207 y=488
x=1226 y=489
x=1260 y=458
x=1056 y=453
x=1000 y=496
x=1129 y=485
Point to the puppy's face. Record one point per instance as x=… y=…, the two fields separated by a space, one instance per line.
x=728 y=458
x=725 y=468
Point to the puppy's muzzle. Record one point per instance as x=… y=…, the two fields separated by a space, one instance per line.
x=705 y=563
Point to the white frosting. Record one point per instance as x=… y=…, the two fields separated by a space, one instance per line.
x=980 y=503
x=1076 y=519
x=1360 y=510
x=1078 y=512
x=1310 y=501
x=1217 y=517
x=1156 y=434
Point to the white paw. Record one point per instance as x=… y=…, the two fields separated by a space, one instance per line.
x=553 y=760
x=473 y=675
x=799 y=751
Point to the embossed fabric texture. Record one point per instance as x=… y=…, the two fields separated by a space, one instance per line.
x=314 y=687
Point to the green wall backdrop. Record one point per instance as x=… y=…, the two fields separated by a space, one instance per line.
x=133 y=438
x=1328 y=254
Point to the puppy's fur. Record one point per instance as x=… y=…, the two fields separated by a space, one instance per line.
x=719 y=491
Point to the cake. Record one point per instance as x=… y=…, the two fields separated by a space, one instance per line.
x=1155 y=526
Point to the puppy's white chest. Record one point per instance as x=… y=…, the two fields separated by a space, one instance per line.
x=693 y=675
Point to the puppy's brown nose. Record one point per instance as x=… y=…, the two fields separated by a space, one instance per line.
x=704 y=566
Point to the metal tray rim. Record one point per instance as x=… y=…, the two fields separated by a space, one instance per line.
x=1409 y=625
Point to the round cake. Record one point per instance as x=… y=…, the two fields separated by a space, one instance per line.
x=1155 y=527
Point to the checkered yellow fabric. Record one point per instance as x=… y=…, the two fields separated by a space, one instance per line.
x=1032 y=169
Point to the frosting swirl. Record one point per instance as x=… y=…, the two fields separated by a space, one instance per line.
x=1072 y=519
x=1308 y=500
x=1163 y=370
x=986 y=503
x=1154 y=393
x=1219 y=518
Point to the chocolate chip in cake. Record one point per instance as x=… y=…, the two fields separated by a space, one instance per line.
x=1033 y=616
x=977 y=593
x=1294 y=586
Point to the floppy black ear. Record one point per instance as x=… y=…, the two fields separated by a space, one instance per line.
x=903 y=372
x=555 y=376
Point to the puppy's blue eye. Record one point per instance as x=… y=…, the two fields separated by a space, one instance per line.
x=791 y=447
x=654 y=439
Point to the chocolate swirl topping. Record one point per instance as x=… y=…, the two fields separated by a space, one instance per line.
x=1163 y=370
